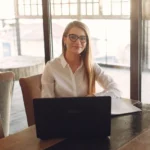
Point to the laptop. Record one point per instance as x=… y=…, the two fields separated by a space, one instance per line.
x=82 y=144
x=72 y=117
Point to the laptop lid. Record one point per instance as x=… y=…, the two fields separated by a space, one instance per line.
x=72 y=117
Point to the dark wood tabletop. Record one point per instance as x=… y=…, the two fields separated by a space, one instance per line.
x=125 y=130
x=126 y=127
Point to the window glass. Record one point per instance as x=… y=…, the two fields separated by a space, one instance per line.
x=34 y=10
x=89 y=9
x=95 y=9
x=107 y=47
x=27 y=10
x=33 y=1
x=73 y=1
x=65 y=9
x=126 y=8
x=57 y=9
x=40 y=10
x=116 y=9
x=65 y=1
x=21 y=10
x=39 y=1
x=20 y=1
x=73 y=9
x=146 y=63
x=83 y=9
x=27 y=2
x=106 y=8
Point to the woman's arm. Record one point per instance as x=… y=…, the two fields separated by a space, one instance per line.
x=108 y=84
x=48 y=81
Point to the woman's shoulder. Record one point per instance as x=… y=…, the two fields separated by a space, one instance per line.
x=96 y=67
x=53 y=61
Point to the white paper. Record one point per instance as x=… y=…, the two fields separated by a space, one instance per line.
x=122 y=106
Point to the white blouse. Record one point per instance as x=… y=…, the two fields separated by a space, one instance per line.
x=58 y=80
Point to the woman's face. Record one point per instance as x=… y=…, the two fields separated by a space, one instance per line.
x=75 y=40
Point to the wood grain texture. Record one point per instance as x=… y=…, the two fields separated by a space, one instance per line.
x=129 y=126
x=26 y=140
x=141 y=142
x=1 y=130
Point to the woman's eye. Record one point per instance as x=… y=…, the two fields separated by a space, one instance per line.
x=74 y=37
x=83 y=38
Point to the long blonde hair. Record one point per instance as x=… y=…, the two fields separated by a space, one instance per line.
x=86 y=54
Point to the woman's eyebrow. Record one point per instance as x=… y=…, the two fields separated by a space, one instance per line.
x=76 y=34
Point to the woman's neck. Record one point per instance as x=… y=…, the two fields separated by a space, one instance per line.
x=72 y=59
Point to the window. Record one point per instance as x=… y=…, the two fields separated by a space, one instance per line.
x=30 y=7
x=109 y=22
x=7 y=9
x=146 y=63
x=76 y=8
x=110 y=35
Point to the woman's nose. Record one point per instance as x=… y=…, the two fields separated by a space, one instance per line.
x=78 y=41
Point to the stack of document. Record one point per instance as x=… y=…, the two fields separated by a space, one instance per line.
x=122 y=106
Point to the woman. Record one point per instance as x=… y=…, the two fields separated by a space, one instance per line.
x=73 y=73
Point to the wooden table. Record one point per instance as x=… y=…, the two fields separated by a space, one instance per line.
x=128 y=132
x=26 y=140
x=141 y=142
x=22 y=66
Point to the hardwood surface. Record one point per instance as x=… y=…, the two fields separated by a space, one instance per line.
x=18 y=123
x=18 y=116
x=128 y=132
x=26 y=140
x=126 y=127
x=141 y=142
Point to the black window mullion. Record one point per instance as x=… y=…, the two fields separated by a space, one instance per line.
x=47 y=26
x=135 y=72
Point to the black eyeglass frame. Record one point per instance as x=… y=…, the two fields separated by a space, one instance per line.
x=77 y=37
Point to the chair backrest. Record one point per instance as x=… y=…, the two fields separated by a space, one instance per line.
x=6 y=91
x=31 y=88
x=1 y=130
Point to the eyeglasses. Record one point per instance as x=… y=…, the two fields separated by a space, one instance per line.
x=74 y=37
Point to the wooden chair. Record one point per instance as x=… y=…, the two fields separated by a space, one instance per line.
x=31 y=88
x=6 y=91
x=1 y=130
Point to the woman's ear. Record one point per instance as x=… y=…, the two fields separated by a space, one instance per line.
x=64 y=43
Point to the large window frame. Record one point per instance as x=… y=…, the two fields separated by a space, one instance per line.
x=135 y=66
x=136 y=49
x=135 y=36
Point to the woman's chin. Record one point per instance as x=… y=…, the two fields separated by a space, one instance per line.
x=77 y=52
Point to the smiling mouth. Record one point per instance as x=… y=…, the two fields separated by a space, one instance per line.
x=77 y=47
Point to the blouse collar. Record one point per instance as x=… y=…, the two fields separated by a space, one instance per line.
x=64 y=62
